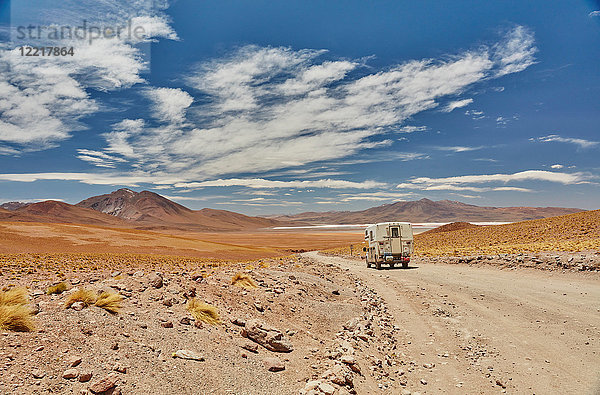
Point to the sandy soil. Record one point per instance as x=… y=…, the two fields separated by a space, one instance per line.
x=485 y=328
x=31 y=237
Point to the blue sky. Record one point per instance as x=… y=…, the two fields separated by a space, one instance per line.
x=263 y=107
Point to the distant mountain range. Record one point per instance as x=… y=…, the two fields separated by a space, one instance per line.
x=426 y=210
x=139 y=210
x=147 y=210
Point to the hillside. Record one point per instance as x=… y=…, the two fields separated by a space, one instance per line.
x=572 y=232
x=52 y=211
x=148 y=210
x=426 y=210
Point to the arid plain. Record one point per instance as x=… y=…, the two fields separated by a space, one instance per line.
x=104 y=307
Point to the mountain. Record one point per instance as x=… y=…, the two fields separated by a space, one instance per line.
x=11 y=206
x=58 y=212
x=426 y=210
x=148 y=210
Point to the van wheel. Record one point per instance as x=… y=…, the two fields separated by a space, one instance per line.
x=391 y=265
x=378 y=265
x=404 y=265
x=367 y=261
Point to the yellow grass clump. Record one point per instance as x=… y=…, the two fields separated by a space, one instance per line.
x=57 y=289
x=203 y=312
x=85 y=296
x=244 y=281
x=109 y=301
x=15 y=313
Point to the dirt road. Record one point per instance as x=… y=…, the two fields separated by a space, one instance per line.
x=485 y=330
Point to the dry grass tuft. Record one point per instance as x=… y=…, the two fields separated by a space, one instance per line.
x=15 y=314
x=13 y=296
x=203 y=312
x=109 y=301
x=85 y=296
x=57 y=289
x=244 y=281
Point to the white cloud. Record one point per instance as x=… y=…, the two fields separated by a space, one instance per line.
x=412 y=129
x=275 y=108
x=557 y=166
x=457 y=104
x=594 y=13
x=458 y=148
x=475 y=114
x=99 y=159
x=169 y=105
x=44 y=99
x=582 y=143
x=262 y=183
x=516 y=52
x=462 y=183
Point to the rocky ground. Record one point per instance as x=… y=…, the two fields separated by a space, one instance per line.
x=307 y=328
x=314 y=324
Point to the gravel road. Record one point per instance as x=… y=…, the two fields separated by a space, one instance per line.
x=492 y=330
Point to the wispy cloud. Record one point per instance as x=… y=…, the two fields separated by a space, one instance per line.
x=412 y=129
x=475 y=114
x=582 y=143
x=459 y=148
x=471 y=182
x=274 y=108
x=266 y=184
x=43 y=100
x=457 y=104
x=594 y=14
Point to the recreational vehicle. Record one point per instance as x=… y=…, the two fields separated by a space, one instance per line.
x=389 y=242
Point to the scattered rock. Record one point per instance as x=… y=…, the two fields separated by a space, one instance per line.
x=351 y=325
x=274 y=364
x=238 y=322
x=335 y=292
x=85 y=376
x=77 y=306
x=70 y=374
x=185 y=321
x=423 y=381
x=326 y=388
x=114 y=346
x=270 y=338
x=252 y=347
x=73 y=361
x=107 y=383
x=38 y=374
x=167 y=324
x=187 y=354
x=155 y=280
x=120 y=368
x=259 y=307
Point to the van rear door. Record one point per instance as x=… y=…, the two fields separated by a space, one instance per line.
x=395 y=239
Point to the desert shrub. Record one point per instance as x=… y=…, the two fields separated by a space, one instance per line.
x=243 y=280
x=13 y=296
x=85 y=296
x=15 y=314
x=109 y=301
x=57 y=289
x=203 y=312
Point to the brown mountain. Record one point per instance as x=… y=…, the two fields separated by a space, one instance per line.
x=426 y=210
x=11 y=206
x=148 y=210
x=52 y=211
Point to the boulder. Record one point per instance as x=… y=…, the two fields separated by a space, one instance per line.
x=270 y=338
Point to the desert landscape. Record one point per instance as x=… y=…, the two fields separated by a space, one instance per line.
x=136 y=297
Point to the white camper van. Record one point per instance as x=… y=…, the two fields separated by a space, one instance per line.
x=389 y=242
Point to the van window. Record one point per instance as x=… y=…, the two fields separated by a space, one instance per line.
x=395 y=232
x=371 y=235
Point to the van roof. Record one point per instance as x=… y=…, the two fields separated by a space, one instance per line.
x=391 y=223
